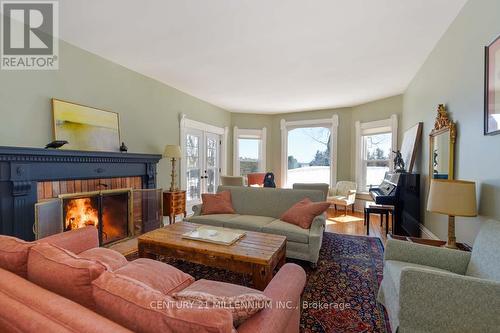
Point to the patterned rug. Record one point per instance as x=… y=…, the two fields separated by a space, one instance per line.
x=340 y=294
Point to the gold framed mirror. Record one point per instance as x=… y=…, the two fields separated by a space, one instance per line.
x=442 y=146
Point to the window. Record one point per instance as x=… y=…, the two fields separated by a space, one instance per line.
x=375 y=143
x=309 y=155
x=309 y=151
x=376 y=158
x=249 y=151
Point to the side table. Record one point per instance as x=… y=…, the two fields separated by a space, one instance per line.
x=174 y=203
x=430 y=242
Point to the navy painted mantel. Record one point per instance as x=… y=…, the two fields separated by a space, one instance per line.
x=22 y=168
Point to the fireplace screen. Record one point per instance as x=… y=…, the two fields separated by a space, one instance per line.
x=117 y=214
x=108 y=211
x=115 y=217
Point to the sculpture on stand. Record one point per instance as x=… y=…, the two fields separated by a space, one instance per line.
x=399 y=164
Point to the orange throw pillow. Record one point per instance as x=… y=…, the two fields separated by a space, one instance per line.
x=219 y=203
x=304 y=212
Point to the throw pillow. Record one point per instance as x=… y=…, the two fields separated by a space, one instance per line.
x=14 y=254
x=64 y=273
x=113 y=259
x=157 y=275
x=140 y=308
x=303 y=212
x=243 y=302
x=219 y=203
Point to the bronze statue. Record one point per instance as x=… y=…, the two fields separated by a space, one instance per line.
x=399 y=164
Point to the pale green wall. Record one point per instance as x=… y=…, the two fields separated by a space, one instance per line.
x=454 y=74
x=272 y=123
x=149 y=110
x=376 y=110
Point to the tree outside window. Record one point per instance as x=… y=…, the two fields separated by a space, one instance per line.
x=376 y=161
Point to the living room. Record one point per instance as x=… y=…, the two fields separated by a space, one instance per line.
x=250 y=166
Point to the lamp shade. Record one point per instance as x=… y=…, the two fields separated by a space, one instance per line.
x=452 y=197
x=172 y=151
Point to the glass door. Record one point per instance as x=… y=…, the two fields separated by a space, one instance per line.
x=202 y=164
x=194 y=158
x=212 y=167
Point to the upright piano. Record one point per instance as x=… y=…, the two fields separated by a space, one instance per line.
x=401 y=190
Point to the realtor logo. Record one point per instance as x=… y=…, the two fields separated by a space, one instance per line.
x=29 y=35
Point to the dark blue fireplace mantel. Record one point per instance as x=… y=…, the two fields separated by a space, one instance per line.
x=22 y=168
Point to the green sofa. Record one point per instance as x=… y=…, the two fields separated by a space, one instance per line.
x=259 y=209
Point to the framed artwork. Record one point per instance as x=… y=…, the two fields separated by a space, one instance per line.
x=492 y=88
x=85 y=128
x=411 y=139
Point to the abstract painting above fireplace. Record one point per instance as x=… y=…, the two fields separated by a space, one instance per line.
x=85 y=127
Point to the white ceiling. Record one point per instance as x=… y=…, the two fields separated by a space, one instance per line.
x=265 y=56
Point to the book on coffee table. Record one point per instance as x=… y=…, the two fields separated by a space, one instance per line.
x=217 y=235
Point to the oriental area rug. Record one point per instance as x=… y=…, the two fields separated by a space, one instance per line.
x=340 y=295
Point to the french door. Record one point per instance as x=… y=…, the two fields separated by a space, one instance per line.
x=203 y=164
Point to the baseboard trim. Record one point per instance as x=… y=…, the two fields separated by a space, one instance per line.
x=426 y=232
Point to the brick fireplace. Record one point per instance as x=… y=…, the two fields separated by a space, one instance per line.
x=43 y=192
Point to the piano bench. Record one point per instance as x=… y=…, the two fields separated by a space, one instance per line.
x=371 y=208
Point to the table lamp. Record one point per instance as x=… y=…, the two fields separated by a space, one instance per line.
x=173 y=152
x=452 y=198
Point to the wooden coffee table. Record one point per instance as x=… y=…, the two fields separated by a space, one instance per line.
x=257 y=254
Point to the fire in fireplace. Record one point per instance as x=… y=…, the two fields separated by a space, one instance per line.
x=109 y=211
x=80 y=212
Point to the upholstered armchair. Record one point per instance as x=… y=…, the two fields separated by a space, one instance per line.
x=232 y=181
x=432 y=289
x=343 y=194
x=313 y=186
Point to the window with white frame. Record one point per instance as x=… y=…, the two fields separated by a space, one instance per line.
x=309 y=151
x=375 y=142
x=249 y=148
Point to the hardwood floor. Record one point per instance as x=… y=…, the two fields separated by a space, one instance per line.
x=352 y=224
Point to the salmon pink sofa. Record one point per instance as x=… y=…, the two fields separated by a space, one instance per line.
x=66 y=283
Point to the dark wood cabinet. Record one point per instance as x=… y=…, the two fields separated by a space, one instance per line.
x=174 y=203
